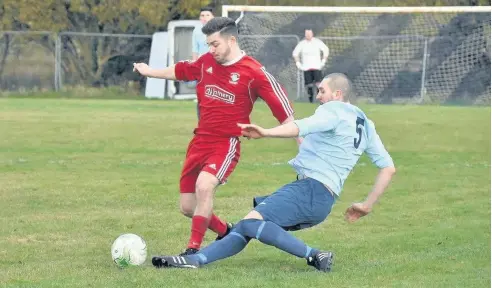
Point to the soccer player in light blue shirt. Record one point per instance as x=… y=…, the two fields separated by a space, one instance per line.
x=333 y=139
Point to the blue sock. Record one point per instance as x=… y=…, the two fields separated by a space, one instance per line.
x=224 y=248
x=271 y=234
x=265 y=231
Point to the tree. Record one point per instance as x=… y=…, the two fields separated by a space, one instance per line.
x=86 y=57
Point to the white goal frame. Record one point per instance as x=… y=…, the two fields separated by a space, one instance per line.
x=317 y=9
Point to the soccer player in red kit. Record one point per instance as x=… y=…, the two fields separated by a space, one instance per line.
x=228 y=84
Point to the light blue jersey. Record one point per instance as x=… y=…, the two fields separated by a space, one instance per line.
x=334 y=139
x=199 y=41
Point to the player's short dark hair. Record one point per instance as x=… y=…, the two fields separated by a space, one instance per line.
x=224 y=25
x=207 y=8
x=340 y=81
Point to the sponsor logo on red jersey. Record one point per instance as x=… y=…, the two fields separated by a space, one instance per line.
x=218 y=93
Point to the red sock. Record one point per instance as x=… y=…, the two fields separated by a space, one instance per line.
x=199 y=226
x=217 y=225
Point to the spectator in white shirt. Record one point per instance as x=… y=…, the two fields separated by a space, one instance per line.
x=310 y=55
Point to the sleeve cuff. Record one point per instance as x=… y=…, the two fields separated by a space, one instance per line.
x=303 y=130
x=178 y=72
x=385 y=162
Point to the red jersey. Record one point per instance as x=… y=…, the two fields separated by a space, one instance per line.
x=226 y=93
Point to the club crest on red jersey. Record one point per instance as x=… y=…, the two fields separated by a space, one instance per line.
x=234 y=78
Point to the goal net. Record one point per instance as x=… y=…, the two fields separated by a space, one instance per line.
x=391 y=54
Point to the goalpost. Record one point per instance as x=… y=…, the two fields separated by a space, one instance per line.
x=393 y=54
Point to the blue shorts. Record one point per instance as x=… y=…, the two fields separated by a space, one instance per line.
x=297 y=205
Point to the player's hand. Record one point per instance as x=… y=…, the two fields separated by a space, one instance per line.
x=252 y=131
x=356 y=211
x=141 y=68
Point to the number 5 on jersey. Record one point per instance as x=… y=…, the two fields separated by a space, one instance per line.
x=358 y=129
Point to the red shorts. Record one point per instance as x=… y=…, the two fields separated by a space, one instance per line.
x=215 y=155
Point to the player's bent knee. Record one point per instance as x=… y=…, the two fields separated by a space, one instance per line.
x=186 y=209
x=187 y=204
x=250 y=228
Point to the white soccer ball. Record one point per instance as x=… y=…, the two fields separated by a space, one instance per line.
x=129 y=250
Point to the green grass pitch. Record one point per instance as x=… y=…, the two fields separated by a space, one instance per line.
x=75 y=174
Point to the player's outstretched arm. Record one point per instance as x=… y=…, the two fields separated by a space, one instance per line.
x=291 y=119
x=144 y=70
x=288 y=130
x=358 y=210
